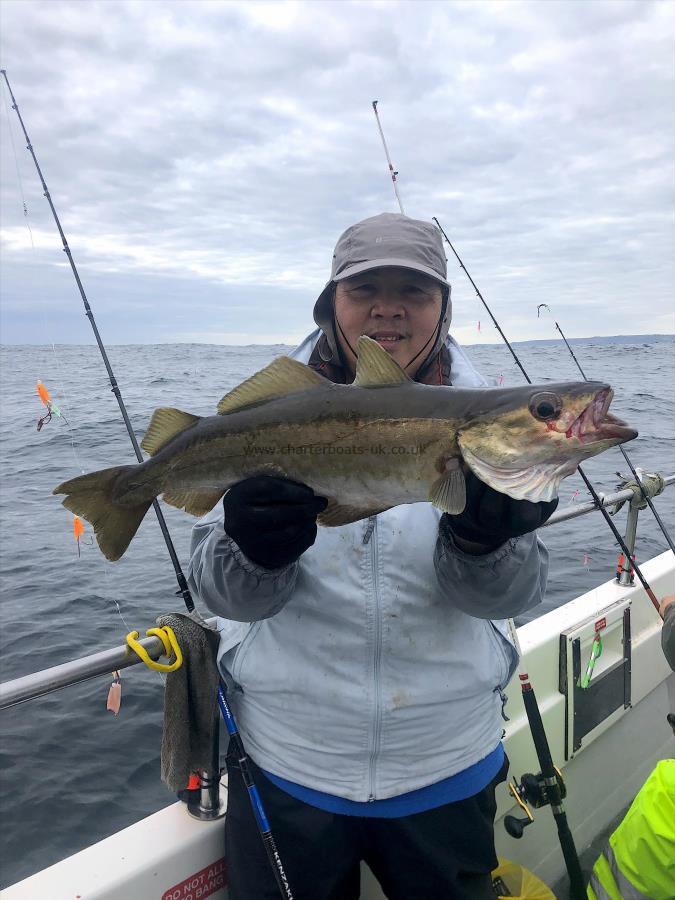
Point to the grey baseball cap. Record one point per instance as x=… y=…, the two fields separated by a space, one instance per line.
x=390 y=240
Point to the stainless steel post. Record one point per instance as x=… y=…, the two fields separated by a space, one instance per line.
x=207 y=804
x=626 y=576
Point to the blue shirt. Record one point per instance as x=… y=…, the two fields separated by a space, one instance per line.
x=458 y=787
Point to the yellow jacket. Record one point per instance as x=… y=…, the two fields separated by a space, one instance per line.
x=639 y=861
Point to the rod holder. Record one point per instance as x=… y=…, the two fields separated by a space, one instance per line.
x=626 y=576
x=205 y=803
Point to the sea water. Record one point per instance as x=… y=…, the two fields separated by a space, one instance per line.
x=72 y=773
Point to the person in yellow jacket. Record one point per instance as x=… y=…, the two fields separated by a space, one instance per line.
x=639 y=861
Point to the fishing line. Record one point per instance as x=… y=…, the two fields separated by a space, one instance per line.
x=18 y=172
x=109 y=593
x=182 y=583
x=489 y=311
x=183 y=590
x=394 y=175
x=386 y=152
x=60 y=391
x=78 y=462
x=645 y=495
x=434 y=336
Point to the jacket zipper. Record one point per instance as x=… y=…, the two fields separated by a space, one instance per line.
x=377 y=653
x=497 y=639
x=504 y=657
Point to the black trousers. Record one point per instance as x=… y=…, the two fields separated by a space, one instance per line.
x=442 y=854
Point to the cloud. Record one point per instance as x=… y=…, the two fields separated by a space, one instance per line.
x=211 y=154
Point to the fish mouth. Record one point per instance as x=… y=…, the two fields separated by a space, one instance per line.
x=596 y=423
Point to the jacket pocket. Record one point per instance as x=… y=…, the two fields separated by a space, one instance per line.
x=232 y=634
x=241 y=652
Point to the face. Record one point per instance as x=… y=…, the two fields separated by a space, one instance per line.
x=398 y=308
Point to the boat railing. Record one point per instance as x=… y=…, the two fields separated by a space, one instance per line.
x=581 y=509
x=46 y=681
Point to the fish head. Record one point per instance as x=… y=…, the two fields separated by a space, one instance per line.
x=538 y=435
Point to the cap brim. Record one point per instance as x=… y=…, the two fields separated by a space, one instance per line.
x=389 y=262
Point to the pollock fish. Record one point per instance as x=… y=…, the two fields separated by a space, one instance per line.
x=379 y=442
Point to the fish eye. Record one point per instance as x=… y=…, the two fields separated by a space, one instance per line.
x=545 y=406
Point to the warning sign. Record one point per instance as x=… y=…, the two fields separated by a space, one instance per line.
x=201 y=884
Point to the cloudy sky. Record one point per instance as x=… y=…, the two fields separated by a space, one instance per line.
x=205 y=156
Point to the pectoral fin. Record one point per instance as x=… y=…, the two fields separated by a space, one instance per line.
x=449 y=492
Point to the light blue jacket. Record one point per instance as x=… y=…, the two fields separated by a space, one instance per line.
x=375 y=664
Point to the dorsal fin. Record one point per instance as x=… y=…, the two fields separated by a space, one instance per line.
x=165 y=424
x=282 y=376
x=374 y=366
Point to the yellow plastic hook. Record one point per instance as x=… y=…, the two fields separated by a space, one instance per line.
x=169 y=642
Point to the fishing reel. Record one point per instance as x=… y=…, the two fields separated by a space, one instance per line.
x=532 y=791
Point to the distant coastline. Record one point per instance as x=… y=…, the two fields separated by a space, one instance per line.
x=597 y=339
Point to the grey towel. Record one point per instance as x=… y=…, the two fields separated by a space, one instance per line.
x=190 y=700
x=653 y=485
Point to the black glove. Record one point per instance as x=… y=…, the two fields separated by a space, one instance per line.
x=491 y=518
x=273 y=520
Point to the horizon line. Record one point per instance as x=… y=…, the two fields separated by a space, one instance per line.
x=92 y=343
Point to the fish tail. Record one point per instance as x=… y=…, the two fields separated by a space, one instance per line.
x=92 y=497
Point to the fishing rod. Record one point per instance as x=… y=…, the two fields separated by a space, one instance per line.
x=645 y=584
x=400 y=206
x=386 y=153
x=550 y=783
x=184 y=591
x=482 y=300
x=180 y=577
x=255 y=799
x=550 y=779
x=591 y=489
x=645 y=495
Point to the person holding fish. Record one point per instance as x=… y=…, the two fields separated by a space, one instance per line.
x=365 y=661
